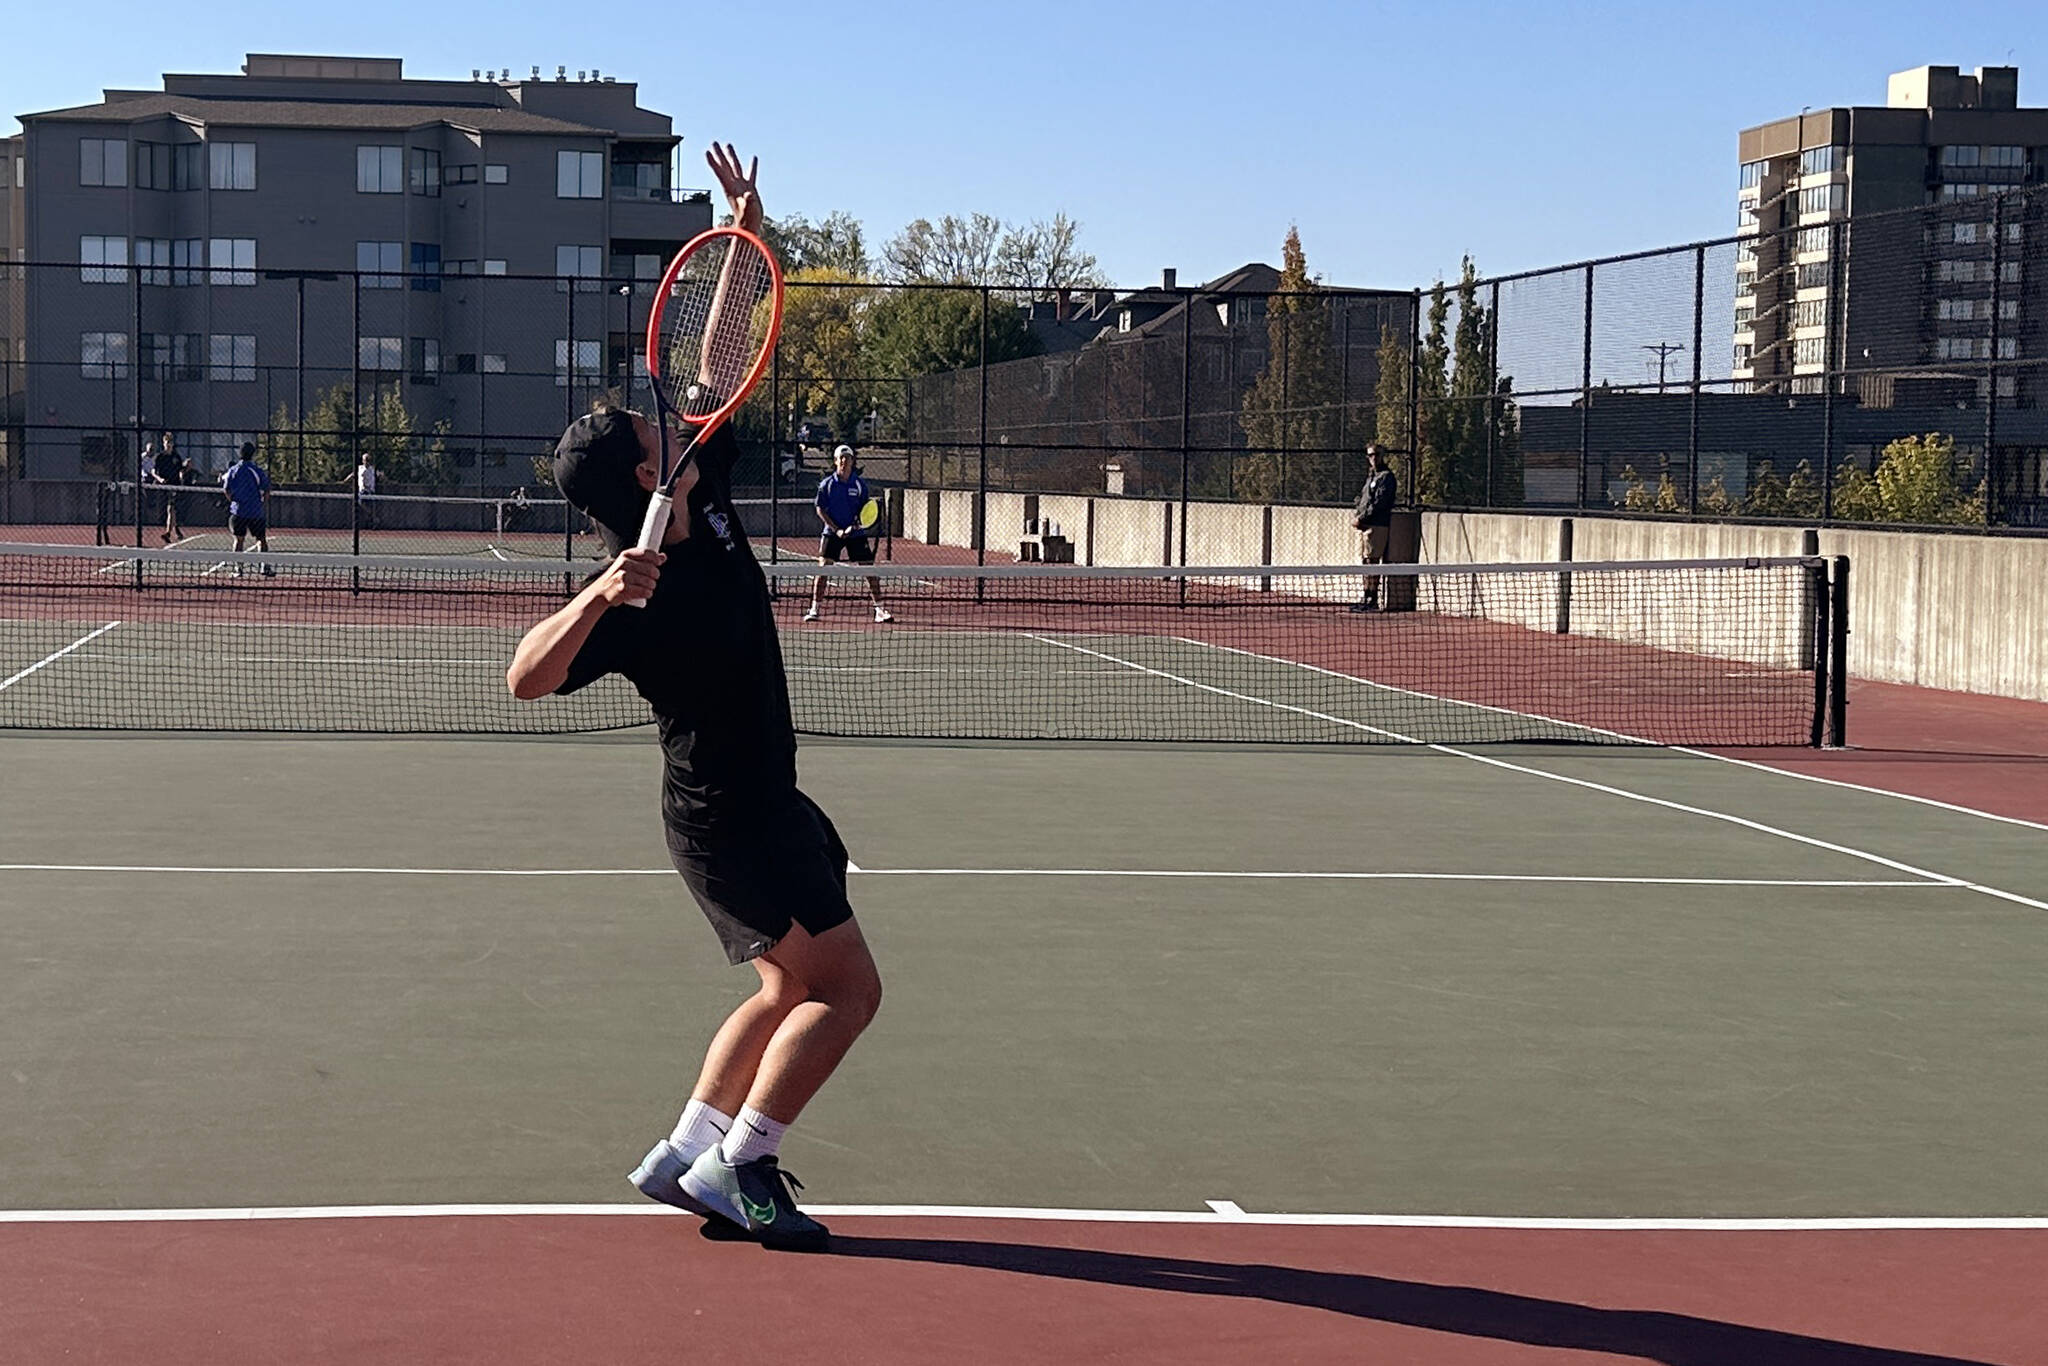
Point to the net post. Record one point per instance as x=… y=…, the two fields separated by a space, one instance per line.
x=1819 y=646
x=1563 y=621
x=1838 y=649
x=355 y=412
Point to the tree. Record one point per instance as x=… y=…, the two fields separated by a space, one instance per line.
x=835 y=244
x=823 y=325
x=958 y=251
x=322 y=449
x=1290 y=413
x=910 y=332
x=1045 y=258
x=1920 y=479
x=1432 y=419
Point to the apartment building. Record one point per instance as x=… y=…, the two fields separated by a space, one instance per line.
x=1954 y=293
x=232 y=246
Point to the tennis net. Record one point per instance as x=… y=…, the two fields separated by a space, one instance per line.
x=1704 y=652
x=517 y=525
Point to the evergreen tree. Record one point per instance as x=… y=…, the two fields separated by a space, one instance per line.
x=322 y=449
x=1290 y=414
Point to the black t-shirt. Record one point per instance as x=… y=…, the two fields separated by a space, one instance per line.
x=169 y=466
x=704 y=654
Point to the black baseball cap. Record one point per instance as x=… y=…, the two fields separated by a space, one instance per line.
x=594 y=464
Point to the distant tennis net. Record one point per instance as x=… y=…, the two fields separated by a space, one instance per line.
x=1703 y=652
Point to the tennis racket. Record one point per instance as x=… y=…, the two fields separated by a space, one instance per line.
x=870 y=515
x=717 y=312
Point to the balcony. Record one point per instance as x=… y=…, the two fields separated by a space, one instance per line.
x=659 y=212
x=659 y=194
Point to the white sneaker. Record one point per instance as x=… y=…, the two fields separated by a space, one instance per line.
x=882 y=614
x=811 y=614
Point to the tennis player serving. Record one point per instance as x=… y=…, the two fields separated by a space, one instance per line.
x=760 y=858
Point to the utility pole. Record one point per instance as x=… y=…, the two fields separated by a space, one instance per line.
x=1664 y=350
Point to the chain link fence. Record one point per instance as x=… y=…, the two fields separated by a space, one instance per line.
x=1888 y=368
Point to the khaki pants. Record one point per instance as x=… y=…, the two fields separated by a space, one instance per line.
x=1372 y=549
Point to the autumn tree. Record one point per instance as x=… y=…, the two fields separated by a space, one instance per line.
x=1290 y=414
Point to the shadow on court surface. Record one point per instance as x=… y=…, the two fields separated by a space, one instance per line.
x=1675 y=1339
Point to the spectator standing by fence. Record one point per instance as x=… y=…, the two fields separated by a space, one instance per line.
x=1373 y=515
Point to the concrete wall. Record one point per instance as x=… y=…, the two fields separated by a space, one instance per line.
x=1966 y=613
x=1959 y=612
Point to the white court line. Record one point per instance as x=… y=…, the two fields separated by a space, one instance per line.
x=1618 y=735
x=56 y=655
x=1230 y=1214
x=1610 y=790
x=1194 y=873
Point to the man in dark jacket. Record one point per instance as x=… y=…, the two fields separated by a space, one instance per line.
x=1373 y=515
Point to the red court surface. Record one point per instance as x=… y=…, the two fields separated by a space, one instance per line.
x=576 y=1288
x=1986 y=753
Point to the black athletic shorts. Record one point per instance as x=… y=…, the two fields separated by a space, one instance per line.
x=753 y=887
x=859 y=549
x=246 y=526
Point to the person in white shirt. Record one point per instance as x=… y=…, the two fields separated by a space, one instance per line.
x=366 y=485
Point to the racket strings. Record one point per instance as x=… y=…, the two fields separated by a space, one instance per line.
x=706 y=361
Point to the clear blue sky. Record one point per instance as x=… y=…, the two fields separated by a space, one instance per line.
x=1395 y=136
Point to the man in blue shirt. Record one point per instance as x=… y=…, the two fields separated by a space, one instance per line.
x=841 y=496
x=246 y=484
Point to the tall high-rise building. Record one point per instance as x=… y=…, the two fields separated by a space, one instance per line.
x=245 y=243
x=1942 y=293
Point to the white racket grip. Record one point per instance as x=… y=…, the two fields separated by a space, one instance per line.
x=652 y=530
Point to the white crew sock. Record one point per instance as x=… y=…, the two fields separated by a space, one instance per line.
x=701 y=1127
x=753 y=1135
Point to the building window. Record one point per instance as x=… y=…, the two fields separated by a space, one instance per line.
x=589 y=361
x=232 y=261
x=188 y=356
x=103 y=161
x=1959 y=156
x=170 y=165
x=2008 y=309
x=2010 y=158
x=424 y=357
x=1743 y=352
x=1745 y=252
x=493 y=365
x=493 y=267
x=1962 y=310
x=2008 y=272
x=1823 y=160
x=579 y=175
x=1810 y=313
x=1813 y=241
x=1823 y=198
x=1958 y=272
x=231 y=358
x=154 y=353
x=373 y=257
x=1813 y=275
x=1753 y=173
x=426 y=267
x=459 y=175
x=1809 y=351
x=153 y=259
x=2008 y=348
x=231 y=165
x=1745 y=314
x=426 y=172
x=101 y=260
x=103 y=355
x=1962 y=348
x=1964 y=234
x=458 y=267
x=380 y=353
x=380 y=170
x=1964 y=191
x=637 y=179
x=494 y=174
x=643 y=266
x=587 y=263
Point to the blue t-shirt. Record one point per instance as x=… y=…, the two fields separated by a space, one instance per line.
x=842 y=499
x=246 y=483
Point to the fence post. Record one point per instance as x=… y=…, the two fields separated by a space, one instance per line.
x=775 y=432
x=1692 y=421
x=355 y=417
x=299 y=380
x=980 y=521
x=1492 y=375
x=135 y=400
x=1991 y=485
x=1187 y=352
x=1414 y=399
x=1586 y=391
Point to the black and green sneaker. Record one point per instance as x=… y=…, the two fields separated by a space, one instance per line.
x=759 y=1196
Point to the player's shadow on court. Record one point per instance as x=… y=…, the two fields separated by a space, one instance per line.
x=1674 y=1339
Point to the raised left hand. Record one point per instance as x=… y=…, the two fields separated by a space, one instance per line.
x=742 y=194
